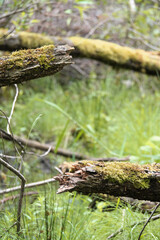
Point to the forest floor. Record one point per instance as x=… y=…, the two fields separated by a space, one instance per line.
x=116 y=115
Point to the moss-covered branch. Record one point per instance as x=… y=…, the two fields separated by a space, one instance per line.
x=118 y=56
x=29 y=64
x=107 y=52
x=22 y=40
x=114 y=178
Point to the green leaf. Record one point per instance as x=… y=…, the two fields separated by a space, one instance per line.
x=61 y=136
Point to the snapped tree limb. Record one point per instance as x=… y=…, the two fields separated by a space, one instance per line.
x=107 y=52
x=115 y=178
x=29 y=64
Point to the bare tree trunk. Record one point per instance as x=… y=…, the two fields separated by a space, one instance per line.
x=29 y=64
x=114 y=178
x=107 y=52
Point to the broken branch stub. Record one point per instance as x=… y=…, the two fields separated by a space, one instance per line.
x=29 y=64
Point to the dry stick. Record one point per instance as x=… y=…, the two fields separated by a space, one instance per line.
x=133 y=225
x=23 y=180
x=17 y=196
x=9 y=137
x=148 y=221
x=8 y=33
x=16 y=11
x=95 y=27
x=34 y=184
x=60 y=151
x=12 y=109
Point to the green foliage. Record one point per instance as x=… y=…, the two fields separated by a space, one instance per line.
x=118 y=115
x=110 y=118
x=67 y=217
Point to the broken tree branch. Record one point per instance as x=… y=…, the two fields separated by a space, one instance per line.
x=114 y=178
x=59 y=151
x=29 y=64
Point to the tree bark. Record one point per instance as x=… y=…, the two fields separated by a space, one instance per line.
x=29 y=64
x=119 y=179
x=107 y=52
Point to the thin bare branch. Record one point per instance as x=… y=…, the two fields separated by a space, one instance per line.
x=18 y=10
x=60 y=151
x=12 y=109
x=96 y=27
x=23 y=180
x=11 y=198
x=148 y=220
x=29 y=185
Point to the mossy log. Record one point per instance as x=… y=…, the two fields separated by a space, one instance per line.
x=29 y=64
x=115 y=178
x=107 y=52
x=22 y=40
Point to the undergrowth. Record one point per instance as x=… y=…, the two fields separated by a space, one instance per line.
x=115 y=116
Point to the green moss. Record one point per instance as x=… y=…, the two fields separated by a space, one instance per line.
x=24 y=58
x=27 y=39
x=33 y=40
x=124 y=172
x=111 y=52
x=44 y=61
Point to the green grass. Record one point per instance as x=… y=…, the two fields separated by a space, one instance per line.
x=67 y=217
x=95 y=117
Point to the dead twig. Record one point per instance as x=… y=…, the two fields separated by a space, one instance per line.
x=12 y=109
x=11 y=198
x=9 y=137
x=17 y=10
x=8 y=33
x=99 y=24
x=148 y=221
x=60 y=151
x=29 y=185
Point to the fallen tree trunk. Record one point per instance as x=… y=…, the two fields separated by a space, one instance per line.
x=29 y=64
x=119 y=179
x=107 y=52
